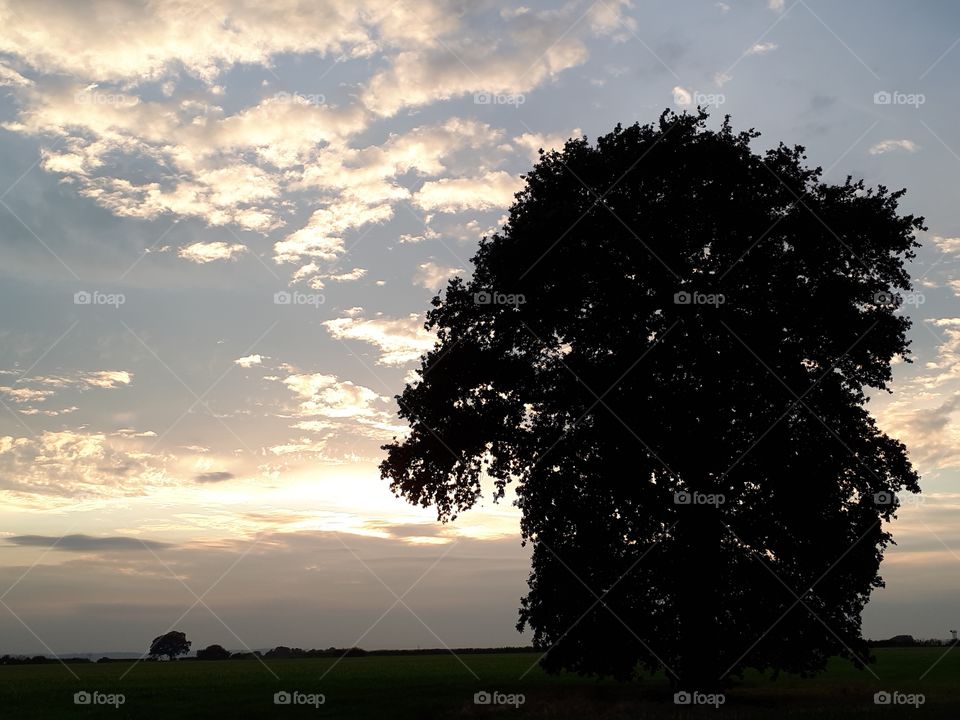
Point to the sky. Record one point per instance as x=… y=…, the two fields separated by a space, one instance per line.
x=221 y=224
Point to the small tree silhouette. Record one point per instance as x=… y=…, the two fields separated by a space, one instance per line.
x=666 y=350
x=213 y=652
x=171 y=645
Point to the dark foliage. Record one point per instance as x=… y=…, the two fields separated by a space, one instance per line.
x=591 y=362
x=213 y=652
x=171 y=645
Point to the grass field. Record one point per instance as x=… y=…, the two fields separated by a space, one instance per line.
x=440 y=686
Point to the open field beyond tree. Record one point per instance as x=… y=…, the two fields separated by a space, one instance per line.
x=441 y=686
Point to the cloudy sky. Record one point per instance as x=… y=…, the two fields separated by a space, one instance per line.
x=222 y=223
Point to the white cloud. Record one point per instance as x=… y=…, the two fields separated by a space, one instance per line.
x=48 y=413
x=9 y=76
x=80 y=380
x=681 y=96
x=25 y=394
x=249 y=361
x=423 y=76
x=885 y=146
x=432 y=276
x=761 y=48
x=492 y=190
x=322 y=237
x=75 y=464
x=532 y=142
x=947 y=244
x=304 y=272
x=775 y=5
x=207 y=156
x=531 y=48
x=410 y=239
x=149 y=41
x=107 y=378
x=201 y=252
x=350 y=276
x=400 y=340
x=325 y=395
x=239 y=166
x=311 y=446
x=63 y=163
x=316 y=426
x=946 y=366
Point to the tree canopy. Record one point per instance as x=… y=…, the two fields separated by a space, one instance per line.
x=171 y=645
x=213 y=652
x=667 y=351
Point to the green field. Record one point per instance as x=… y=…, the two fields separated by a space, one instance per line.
x=439 y=686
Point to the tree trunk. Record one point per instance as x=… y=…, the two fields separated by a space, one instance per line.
x=698 y=600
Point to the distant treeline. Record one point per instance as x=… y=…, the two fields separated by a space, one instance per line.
x=910 y=641
x=216 y=652
x=282 y=651
x=38 y=660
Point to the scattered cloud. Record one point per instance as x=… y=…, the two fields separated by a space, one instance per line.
x=327 y=396
x=87 y=543
x=350 y=276
x=761 y=48
x=25 y=395
x=885 y=146
x=322 y=237
x=681 y=96
x=400 y=340
x=491 y=190
x=9 y=76
x=107 y=378
x=38 y=389
x=75 y=464
x=533 y=142
x=201 y=252
x=99 y=42
x=249 y=361
x=214 y=477
x=432 y=276
x=950 y=245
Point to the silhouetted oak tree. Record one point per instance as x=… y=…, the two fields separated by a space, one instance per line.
x=666 y=350
x=172 y=644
